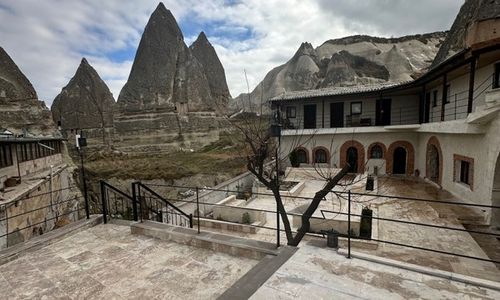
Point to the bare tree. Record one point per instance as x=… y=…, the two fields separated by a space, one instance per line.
x=261 y=148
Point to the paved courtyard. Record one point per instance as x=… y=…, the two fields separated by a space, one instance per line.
x=414 y=211
x=107 y=262
x=321 y=273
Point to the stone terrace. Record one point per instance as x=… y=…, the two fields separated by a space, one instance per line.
x=108 y=262
x=321 y=273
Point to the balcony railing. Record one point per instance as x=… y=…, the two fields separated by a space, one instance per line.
x=456 y=107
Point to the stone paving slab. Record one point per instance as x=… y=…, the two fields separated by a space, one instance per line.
x=321 y=273
x=108 y=262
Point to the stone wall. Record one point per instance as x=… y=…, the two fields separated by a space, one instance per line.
x=243 y=182
x=39 y=210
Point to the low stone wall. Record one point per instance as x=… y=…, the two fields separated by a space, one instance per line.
x=293 y=192
x=237 y=212
x=232 y=245
x=319 y=224
x=228 y=226
x=241 y=182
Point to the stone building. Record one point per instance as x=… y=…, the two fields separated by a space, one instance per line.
x=36 y=189
x=443 y=126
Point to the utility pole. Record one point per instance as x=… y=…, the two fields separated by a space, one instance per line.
x=81 y=142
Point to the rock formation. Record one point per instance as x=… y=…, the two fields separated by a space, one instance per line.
x=347 y=61
x=166 y=75
x=174 y=93
x=85 y=102
x=213 y=69
x=20 y=110
x=471 y=11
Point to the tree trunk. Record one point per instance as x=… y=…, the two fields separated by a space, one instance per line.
x=306 y=216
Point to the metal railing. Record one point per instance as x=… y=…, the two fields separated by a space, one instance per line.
x=348 y=195
x=456 y=107
x=143 y=204
x=36 y=214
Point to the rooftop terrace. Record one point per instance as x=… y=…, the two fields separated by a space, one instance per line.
x=108 y=262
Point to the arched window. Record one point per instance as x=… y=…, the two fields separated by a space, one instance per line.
x=320 y=156
x=376 y=152
x=301 y=156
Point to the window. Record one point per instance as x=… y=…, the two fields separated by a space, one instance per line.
x=464 y=172
x=496 y=76
x=446 y=94
x=35 y=150
x=302 y=156
x=5 y=156
x=320 y=156
x=29 y=151
x=435 y=98
x=356 y=108
x=20 y=153
x=376 y=152
x=291 y=112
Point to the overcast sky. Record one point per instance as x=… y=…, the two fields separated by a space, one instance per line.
x=47 y=39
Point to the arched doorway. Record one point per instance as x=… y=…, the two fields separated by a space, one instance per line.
x=399 y=161
x=495 y=196
x=355 y=156
x=352 y=159
x=433 y=163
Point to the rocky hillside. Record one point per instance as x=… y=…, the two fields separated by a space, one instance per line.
x=347 y=61
x=85 y=102
x=20 y=109
x=167 y=75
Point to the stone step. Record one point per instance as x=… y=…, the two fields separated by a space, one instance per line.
x=232 y=245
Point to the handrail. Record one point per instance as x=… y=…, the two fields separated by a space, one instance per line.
x=140 y=184
x=334 y=192
x=118 y=191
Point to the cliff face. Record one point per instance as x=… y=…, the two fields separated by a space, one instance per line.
x=20 y=109
x=347 y=61
x=471 y=11
x=85 y=102
x=166 y=74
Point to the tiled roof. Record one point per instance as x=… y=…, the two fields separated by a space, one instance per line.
x=332 y=91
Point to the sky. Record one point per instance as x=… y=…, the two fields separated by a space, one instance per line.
x=47 y=39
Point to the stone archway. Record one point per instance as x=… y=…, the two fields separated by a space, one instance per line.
x=410 y=157
x=495 y=196
x=434 y=161
x=360 y=155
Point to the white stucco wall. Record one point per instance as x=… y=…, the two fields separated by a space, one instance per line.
x=333 y=142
